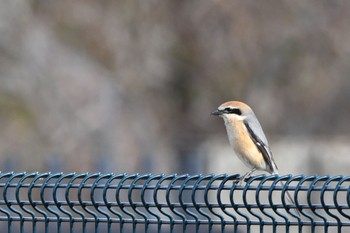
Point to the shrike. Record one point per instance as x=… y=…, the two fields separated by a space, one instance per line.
x=247 y=138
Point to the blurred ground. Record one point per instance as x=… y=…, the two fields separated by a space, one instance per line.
x=128 y=86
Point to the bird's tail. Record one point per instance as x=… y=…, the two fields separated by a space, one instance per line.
x=290 y=199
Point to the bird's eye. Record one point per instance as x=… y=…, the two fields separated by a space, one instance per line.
x=233 y=111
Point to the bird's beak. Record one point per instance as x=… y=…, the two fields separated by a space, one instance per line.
x=216 y=112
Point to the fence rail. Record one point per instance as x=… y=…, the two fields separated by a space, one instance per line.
x=45 y=202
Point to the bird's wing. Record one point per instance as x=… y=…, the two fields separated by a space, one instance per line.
x=263 y=148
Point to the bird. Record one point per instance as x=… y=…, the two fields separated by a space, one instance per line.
x=247 y=138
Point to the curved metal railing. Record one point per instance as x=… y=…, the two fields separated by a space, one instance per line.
x=46 y=202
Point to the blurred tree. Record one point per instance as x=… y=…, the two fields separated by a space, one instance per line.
x=129 y=85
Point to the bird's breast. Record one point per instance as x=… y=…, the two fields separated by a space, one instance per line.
x=243 y=145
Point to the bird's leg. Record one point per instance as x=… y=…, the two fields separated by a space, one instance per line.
x=246 y=176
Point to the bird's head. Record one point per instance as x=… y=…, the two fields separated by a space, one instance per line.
x=233 y=110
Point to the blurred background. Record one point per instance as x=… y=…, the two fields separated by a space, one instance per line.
x=128 y=86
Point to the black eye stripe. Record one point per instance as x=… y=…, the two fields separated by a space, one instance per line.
x=233 y=111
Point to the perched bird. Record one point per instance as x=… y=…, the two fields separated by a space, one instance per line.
x=248 y=139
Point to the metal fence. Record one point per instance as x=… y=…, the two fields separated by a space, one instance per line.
x=45 y=202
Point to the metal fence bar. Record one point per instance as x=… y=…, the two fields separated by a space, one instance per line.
x=45 y=202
